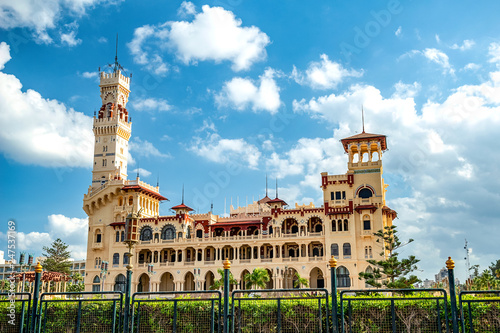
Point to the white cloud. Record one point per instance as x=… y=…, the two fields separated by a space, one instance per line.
x=471 y=66
x=41 y=131
x=466 y=45
x=145 y=148
x=90 y=75
x=399 y=32
x=142 y=172
x=440 y=58
x=494 y=52
x=187 y=8
x=102 y=40
x=242 y=93
x=403 y=90
x=41 y=16
x=436 y=157
x=151 y=104
x=4 y=54
x=219 y=150
x=72 y=231
x=68 y=37
x=324 y=75
x=438 y=40
x=207 y=126
x=214 y=34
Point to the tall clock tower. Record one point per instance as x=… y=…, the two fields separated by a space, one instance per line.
x=112 y=129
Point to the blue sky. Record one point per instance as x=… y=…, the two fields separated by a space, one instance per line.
x=225 y=92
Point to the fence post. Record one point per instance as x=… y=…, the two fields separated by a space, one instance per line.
x=450 y=264
x=227 y=266
x=36 y=295
x=128 y=289
x=333 y=272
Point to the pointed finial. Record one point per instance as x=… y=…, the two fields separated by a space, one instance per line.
x=38 y=268
x=138 y=169
x=158 y=180
x=276 y=187
x=266 y=184
x=116 y=54
x=182 y=193
x=363 y=117
x=212 y=207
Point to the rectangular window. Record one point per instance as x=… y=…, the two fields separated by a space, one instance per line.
x=332 y=195
x=98 y=238
x=338 y=195
x=366 y=225
x=343 y=195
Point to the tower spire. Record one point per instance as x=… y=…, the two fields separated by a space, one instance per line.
x=183 y=193
x=363 y=117
x=276 y=187
x=266 y=184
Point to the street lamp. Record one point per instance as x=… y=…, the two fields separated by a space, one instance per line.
x=151 y=272
x=131 y=238
x=26 y=266
x=104 y=272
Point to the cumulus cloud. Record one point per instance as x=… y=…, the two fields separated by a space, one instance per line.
x=436 y=167
x=187 y=8
x=325 y=74
x=466 y=45
x=214 y=34
x=241 y=93
x=145 y=148
x=72 y=231
x=4 y=54
x=42 y=16
x=219 y=150
x=142 y=172
x=89 y=75
x=150 y=104
x=41 y=131
x=494 y=52
x=436 y=56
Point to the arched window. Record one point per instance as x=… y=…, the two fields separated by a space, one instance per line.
x=120 y=201
x=365 y=193
x=120 y=282
x=335 y=249
x=97 y=262
x=130 y=200
x=295 y=229
x=368 y=252
x=318 y=227
x=199 y=233
x=168 y=232
x=96 y=284
x=116 y=259
x=339 y=225
x=367 y=224
x=146 y=234
x=117 y=236
x=346 y=225
x=188 y=234
x=343 y=279
x=369 y=269
x=334 y=225
x=98 y=236
x=123 y=236
x=125 y=259
x=346 y=250
x=315 y=252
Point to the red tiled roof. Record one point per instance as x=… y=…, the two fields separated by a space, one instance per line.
x=116 y=224
x=265 y=199
x=277 y=200
x=362 y=136
x=143 y=189
x=361 y=207
x=182 y=206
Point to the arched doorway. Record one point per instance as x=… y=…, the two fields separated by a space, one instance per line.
x=242 y=279
x=316 y=279
x=270 y=284
x=209 y=280
x=143 y=285
x=189 y=282
x=167 y=282
x=120 y=282
x=289 y=277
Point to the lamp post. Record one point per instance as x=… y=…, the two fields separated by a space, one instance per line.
x=131 y=238
x=333 y=272
x=104 y=272
x=151 y=272
x=24 y=266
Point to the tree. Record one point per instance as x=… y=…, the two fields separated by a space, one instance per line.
x=495 y=268
x=258 y=278
x=391 y=272
x=57 y=257
x=300 y=282
x=218 y=284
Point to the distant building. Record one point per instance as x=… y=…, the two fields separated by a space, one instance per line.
x=187 y=249
x=443 y=274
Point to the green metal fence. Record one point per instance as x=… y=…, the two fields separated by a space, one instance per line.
x=281 y=311
x=171 y=311
x=15 y=312
x=80 y=312
x=480 y=311
x=393 y=310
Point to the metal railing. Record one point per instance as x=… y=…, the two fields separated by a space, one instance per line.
x=394 y=310
x=177 y=311
x=80 y=312
x=480 y=314
x=284 y=310
x=15 y=315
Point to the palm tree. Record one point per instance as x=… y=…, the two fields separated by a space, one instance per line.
x=300 y=281
x=218 y=284
x=258 y=278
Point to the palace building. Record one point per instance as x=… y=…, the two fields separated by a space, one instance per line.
x=186 y=249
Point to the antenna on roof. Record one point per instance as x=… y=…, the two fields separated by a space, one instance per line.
x=183 y=193
x=212 y=207
x=138 y=169
x=116 y=66
x=158 y=180
x=276 y=187
x=363 y=117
